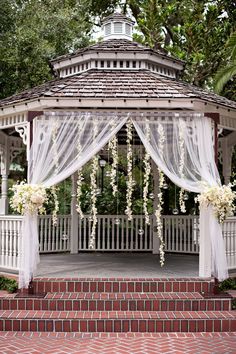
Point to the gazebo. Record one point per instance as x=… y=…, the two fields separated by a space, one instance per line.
x=96 y=91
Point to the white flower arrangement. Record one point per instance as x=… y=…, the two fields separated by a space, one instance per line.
x=94 y=201
x=130 y=181
x=29 y=198
x=147 y=172
x=221 y=199
x=80 y=179
x=158 y=211
x=112 y=146
x=181 y=165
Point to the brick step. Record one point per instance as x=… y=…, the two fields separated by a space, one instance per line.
x=118 y=321
x=117 y=285
x=182 y=301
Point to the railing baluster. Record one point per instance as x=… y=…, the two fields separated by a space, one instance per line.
x=122 y=232
x=181 y=234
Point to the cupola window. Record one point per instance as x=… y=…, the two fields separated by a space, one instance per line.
x=118 y=27
x=127 y=29
x=108 y=29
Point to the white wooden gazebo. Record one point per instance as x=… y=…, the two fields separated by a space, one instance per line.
x=121 y=76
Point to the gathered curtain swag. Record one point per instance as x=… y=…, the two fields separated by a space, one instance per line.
x=76 y=128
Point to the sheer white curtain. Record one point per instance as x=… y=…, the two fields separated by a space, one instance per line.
x=199 y=167
x=62 y=143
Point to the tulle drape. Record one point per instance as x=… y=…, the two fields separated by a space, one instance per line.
x=199 y=167
x=62 y=144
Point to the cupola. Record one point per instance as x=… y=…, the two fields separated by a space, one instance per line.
x=117 y=52
x=117 y=26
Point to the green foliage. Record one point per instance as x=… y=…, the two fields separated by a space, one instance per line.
x=228 y=71
x=32 y=33
x=228 y=284
x=7 y=284
x=194 y=31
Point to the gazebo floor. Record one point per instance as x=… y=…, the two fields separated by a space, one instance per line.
x=117 y=265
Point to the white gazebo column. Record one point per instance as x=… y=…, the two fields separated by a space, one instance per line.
x=74 y=216
x=226 y=159
x=4 y=170
x=204 y=253
x=155 y=240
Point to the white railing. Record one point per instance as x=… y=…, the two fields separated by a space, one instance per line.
x=229 y=232
x=115 y=233
x=9 y=241
x=54 y=238
x=181 y=235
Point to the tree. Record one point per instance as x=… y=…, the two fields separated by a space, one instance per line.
x=194 y=31
x=32 y=33
x=227 y=72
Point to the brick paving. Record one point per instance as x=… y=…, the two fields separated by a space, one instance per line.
x=118 y=316
x=114 y=343
x=123 y=285
x=178 y=301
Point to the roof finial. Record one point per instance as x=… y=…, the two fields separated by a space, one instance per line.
x=117 y=26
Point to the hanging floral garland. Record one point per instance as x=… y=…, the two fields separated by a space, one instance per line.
x=130 y=181
x=147 y=172
x=80 y=179
x=181 y=166
x=160 y=197
x=56 y=162
x=56 y=205
x=113 y=147
x=93 y=180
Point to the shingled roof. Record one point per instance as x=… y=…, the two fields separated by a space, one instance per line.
x=116 y=45
x=117 y=16
x=104 y=84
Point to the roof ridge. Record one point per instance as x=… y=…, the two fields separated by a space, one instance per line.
x=126 y=42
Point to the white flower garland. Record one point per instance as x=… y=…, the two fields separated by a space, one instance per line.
x=130 y=181
x=147 y=172
x=56 y=162
x=29 y=198
x=94 y=194
x=181 y=165
x=112 y=146
x=221 y=199
x=56 y=205
x=158 y=211
x=80 y=179
x=94 y=201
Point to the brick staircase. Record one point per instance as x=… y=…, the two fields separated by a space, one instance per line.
x=119 y=305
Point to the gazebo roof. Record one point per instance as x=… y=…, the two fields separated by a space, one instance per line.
x=117 y=73
x=102 y=84
x=117 y=45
